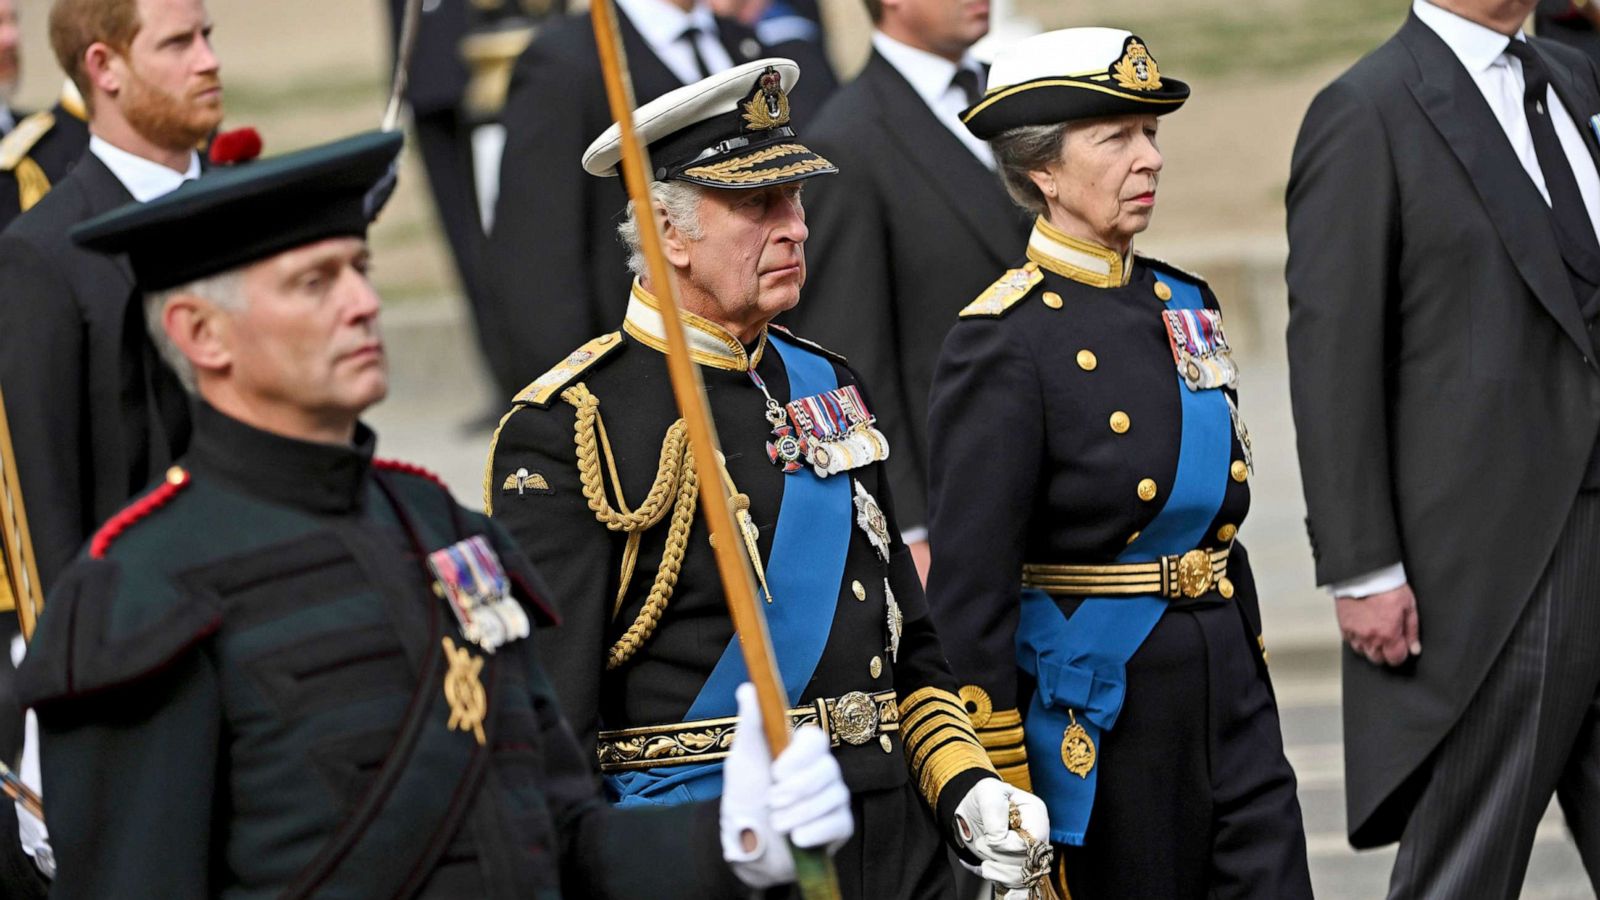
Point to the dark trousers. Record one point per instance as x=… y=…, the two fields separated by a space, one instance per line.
x=1195 y=798
x=1531 y=730
x=897 y=852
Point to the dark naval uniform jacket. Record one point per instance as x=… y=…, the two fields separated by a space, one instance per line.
x=95 y=414
x=1085 y=505
x=640 y=678
x=38 y=153
x=243 y=690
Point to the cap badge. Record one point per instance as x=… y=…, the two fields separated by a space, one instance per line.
x=767 y=106
x=1136 y=70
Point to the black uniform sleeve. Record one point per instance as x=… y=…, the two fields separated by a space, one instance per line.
x=41 y=373
x=986 y=403
x=130 y=768
x=1343 y=213
x=536 y=261
x=848 y=306
x=663 y=853
x=555 y=530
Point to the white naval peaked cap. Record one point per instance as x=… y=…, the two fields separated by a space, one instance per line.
x=730 y=130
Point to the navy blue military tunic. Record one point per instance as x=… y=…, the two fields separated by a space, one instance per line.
x=1057 y=429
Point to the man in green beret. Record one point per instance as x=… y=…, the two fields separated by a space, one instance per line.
x=293 y=670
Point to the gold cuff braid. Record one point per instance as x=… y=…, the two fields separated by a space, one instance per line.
x=675 y=480
x=1002 y=738
x=940 y=743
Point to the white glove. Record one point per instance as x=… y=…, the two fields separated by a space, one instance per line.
x=983 y=826
x=767 y=803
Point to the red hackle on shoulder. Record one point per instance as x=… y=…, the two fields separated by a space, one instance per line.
x=236 y=146
x=177 y=480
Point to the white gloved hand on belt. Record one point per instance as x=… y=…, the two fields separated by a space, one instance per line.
x=767 y=803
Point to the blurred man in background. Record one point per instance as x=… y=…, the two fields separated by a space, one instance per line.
x=914 y=226
x=36 y=149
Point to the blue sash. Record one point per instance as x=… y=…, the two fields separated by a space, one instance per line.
x=804 y=570
x=1080 y=663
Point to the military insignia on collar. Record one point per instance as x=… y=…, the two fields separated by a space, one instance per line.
x=869 y=515
x=767 y=107
x=897 y=622
x=524 y=482
x=1200 y=349
x=836 y=431
x=1136 y=70
x=471 y=580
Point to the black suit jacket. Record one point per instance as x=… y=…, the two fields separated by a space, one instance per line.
x=554 y=261
x=94 y=415
x=910 y=231
x=1445 y=395
x=438 y=74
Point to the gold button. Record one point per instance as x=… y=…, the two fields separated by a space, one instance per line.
x=1119 y=422
x=1225 y=588
x=1052 y=299
x=176 y=475
x=859 y=590
x=885 y=743
x=876 y=666
x=1226 y=533
x=1164 y=292
x=1239 y=470
x=1134 y=537
x=1147 y=489
x=1086 y=360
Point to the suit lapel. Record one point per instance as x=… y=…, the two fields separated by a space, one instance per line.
x=1455 y=106
x=1579 y=98
x=967 y=186
x=104 y=193
x=651 y=77
x=740 y=42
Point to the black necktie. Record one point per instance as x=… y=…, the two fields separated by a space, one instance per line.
x=690 y=36
x=967 y=81
x=1572 y=218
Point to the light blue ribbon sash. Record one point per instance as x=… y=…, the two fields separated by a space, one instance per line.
x=1080 y=663
x=804 y=570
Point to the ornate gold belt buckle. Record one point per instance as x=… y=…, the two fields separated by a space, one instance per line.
x=854 y=718
x=1194 y=573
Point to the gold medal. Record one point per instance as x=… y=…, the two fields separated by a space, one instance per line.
x=1077 y=748
x=463 y=690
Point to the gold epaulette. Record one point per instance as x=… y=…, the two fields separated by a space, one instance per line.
x=1000 y=733
x=939 y=740
x=544 y=388
x=1007 y=290
x=15 y=146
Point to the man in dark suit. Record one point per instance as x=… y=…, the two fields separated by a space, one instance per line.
x=36 y=149
x=94 y=414
x=914 y=226
x=1442 y=277
x=553 y=258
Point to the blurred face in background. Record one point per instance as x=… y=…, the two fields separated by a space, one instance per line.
x=946 y=28
x=10 y=51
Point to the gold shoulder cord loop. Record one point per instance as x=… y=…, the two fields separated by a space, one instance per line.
x=32 y=183
x=675 y=479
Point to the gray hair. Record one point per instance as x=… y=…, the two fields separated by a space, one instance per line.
x=224 y=289
x=682 y=203
x=1028 y=148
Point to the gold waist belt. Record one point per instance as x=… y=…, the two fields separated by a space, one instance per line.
x=855 y=718
x=1181 y=575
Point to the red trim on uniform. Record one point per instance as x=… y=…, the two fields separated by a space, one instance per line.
x=177 y=480
x=405 y=468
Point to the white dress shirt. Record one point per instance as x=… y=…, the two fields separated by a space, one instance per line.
x=931 y=77
x=144 y=179
x=1482 y=52
x=7 y=120
x=662 y=25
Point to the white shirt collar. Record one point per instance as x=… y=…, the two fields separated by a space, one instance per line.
x=929 y=73
x=144 y=179
x=7 y=120
x=661 y=23
x=1476 y=46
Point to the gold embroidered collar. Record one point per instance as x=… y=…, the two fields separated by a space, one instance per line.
x=709 y=343
x=1076 y=259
